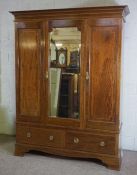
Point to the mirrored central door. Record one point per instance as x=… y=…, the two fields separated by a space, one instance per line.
x=64 y=68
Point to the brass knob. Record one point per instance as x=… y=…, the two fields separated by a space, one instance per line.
x=28 y=134
x=87 y=75
x=51 y=138
x=76 y=140
x=46 y=75
x=102 y=143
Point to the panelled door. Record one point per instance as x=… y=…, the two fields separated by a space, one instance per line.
x=29 y=73
x=103 y=67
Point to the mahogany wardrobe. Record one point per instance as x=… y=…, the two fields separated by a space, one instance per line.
x=68 y=66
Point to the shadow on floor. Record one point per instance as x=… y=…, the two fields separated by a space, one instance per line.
x=7 y=144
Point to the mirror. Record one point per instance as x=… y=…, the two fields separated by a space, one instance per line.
x=64 y=68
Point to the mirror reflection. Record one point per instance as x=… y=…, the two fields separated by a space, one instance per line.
x=64 y=71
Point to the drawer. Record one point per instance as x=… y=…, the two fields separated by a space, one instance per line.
x=40 y=136
x=91 y=143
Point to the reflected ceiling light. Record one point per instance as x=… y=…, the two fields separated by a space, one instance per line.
x=59 y=44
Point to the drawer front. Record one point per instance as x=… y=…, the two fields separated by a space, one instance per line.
x=40 y=136
x=91 y=143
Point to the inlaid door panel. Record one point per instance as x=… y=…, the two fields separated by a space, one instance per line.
x=103 y=67
x=29 y=72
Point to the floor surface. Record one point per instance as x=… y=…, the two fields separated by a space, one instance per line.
x=38 y=164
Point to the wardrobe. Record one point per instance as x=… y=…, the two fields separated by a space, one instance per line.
x=68 y=66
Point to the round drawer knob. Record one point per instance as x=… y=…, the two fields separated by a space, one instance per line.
x=76 y=140
x=28 y=134
x=51 y=138
x=102 y=143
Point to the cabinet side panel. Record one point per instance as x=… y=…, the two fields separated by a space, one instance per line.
x=29 y=72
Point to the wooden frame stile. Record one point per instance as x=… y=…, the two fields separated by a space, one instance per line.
x=83 y=61
x=44 y=72
x=16 y=71
x=86 y=75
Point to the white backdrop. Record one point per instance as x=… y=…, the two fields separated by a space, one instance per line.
x=129 y=63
